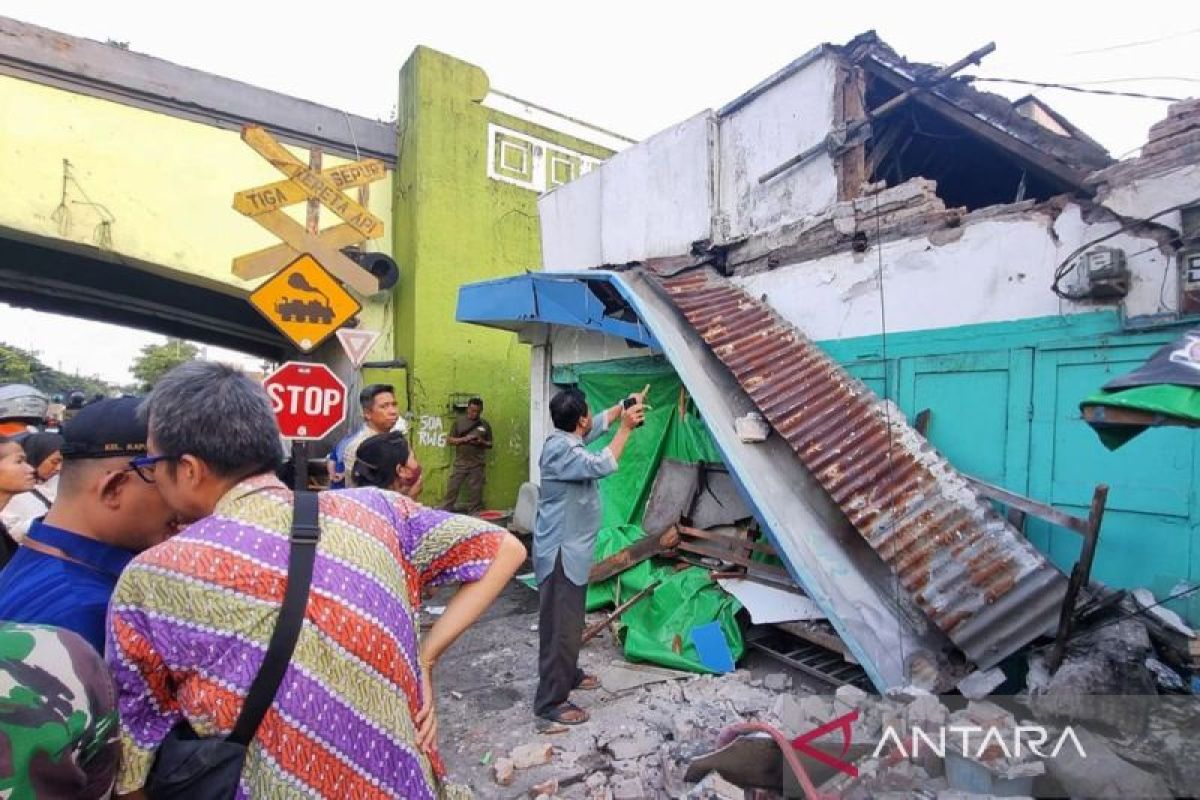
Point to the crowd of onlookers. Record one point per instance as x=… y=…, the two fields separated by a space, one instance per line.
x=148 y=547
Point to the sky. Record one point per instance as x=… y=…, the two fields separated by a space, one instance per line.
x=91 y=349
x=631 y=67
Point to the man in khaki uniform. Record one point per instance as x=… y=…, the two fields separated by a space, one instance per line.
x=471 y=435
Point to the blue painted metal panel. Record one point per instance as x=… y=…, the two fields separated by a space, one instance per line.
x=550 y=299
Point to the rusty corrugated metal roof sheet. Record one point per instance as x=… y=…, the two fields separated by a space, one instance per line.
x=976 y=577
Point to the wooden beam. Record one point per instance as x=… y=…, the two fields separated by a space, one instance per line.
x=848 y=133
x=849 y=106
x=1039 y=510
x=633 y=555
x=733 y=542
x=883 y=144
x=1080 y=577
x=1111 y=415
x=735 y=558
x=1048 y=167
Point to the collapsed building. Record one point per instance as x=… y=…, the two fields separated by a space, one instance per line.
x=871 y=256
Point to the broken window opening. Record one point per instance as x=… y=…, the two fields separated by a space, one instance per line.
x=915 y=141
x=615 y=306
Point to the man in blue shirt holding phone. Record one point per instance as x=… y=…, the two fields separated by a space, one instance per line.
x=564 y=537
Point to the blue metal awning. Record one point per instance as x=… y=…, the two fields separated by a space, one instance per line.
x=592 y=300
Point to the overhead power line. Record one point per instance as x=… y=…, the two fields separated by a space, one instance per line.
x=1140 y=43
x=1179 y=78
x=1077 y=88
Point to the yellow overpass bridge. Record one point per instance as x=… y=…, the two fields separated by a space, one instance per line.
x=118 y=173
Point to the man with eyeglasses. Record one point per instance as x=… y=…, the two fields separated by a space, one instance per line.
x=106 y=512
x=355 y=713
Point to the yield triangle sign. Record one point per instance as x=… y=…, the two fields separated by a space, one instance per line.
x=357 y=343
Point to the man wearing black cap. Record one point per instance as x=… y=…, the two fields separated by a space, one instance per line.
x=106 y=512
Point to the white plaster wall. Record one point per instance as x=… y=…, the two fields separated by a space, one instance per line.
x=576 y=346
x=782 y=122
x=539 y=407
x=999 y=270
x=566 y=346
x=1145 y=197
x=699 y=180
x=570 y=224
x=657 y=197
x=653 y=199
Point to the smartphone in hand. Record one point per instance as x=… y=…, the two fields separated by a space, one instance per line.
x=629 y=402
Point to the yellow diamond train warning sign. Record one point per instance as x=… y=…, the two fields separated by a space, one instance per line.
x=305 y=303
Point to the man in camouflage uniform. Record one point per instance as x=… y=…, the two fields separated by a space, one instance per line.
x=58 y=716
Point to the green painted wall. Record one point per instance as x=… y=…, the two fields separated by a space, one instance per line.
x=1004 y=402
x=456 y=225
x=1005 y=407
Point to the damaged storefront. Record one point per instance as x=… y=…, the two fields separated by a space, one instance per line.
x=869 y=299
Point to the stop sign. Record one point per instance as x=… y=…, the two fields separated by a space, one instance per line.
x=309 y=400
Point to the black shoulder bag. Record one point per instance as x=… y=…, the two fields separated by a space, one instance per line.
x=188 y=766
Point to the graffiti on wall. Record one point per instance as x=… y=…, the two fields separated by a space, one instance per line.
x=431 y=431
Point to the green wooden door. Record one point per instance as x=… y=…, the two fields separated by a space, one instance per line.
x=1146 y=538
x=979 y=405
x=878 y=375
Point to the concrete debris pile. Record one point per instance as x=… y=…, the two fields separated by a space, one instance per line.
x=1134 y=719
x=1106 y=723
x=1097 y=727
x=641 y=741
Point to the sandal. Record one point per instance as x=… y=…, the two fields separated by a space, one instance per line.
x=566 y=714
x=588 y=682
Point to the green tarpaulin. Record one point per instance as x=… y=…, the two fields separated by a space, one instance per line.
x=657 y=629
x=1167 y=400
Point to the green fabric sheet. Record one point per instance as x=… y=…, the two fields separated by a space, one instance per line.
x=658 y=628
x=1169 y=400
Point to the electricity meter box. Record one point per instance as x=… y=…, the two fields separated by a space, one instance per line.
x=1102 y=273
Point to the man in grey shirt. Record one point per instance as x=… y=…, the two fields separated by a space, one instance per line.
x=564 y=537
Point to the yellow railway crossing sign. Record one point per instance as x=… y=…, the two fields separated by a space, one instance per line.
x=265 y=204
x=305 y=303
x=281 y=194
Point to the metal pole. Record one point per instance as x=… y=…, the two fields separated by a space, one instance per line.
x=616 y=613
x=1080 y=576
x=300 y=465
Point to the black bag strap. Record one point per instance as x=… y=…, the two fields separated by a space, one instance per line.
x=306 y=532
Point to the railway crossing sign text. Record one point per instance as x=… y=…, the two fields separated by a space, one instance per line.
x=265 y=204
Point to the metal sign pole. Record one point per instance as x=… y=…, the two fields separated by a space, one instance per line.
x=300 y=465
